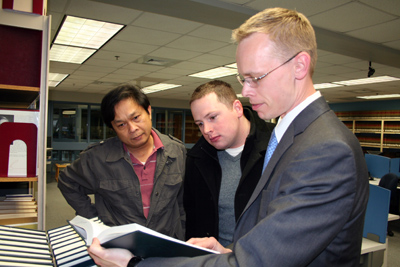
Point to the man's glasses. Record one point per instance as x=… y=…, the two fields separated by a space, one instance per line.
x=253 y=81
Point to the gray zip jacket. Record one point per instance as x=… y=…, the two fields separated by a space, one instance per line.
x=106 y=171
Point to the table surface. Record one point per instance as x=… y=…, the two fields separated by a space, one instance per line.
x=369 y=246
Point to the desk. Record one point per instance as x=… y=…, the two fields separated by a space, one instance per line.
x=376 y=182
x=393 y=217
x=373 y=253
x=58 y=167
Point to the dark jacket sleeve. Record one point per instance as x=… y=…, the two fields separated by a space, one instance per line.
x=75 y=183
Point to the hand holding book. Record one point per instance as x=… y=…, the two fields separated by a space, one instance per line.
x=139 y=240
x=109 y=257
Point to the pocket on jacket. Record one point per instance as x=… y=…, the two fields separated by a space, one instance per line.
x=172 y=186
x=114 y=185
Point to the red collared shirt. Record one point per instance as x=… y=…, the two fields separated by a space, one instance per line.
x=145 y=172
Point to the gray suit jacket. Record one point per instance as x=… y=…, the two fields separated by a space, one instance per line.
x=308 y=208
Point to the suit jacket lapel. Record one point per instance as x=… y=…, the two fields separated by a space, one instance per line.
x=299 y=124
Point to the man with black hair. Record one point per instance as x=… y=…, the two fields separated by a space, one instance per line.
x=136 y=177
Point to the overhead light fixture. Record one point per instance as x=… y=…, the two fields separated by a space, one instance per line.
x=56 y=78
x=371 y=71
x=81 y=38
x=378 y=79
x=379 y=96
x=69 y=112
x=86 y=33
x=159 y=87
x=70 y=54
x=239 y=96
x=215 y=73
x=233 y=66
x=320 y=86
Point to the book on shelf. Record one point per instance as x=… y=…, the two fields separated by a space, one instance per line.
x=18 y=204
x=19 y=197
x=138 y=239
x=60 y=247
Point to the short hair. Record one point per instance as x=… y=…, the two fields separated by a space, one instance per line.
x=223 y=90
x=289 y=30
x=112 y=98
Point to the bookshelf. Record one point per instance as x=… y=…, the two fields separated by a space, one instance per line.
x=24 y=50
x=374 y=129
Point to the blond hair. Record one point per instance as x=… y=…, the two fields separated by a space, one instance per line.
x=290 y=31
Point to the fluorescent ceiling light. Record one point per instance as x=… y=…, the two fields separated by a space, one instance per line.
x=378 y=79
x=158 y=87
x=56 y=78
x=215 y=73
x=379 y=96
x=233 y=66
x=69 y=112
x=70 y=54
x=79 y=38
x=326 y=85
x=239 y=96
x=86 y=33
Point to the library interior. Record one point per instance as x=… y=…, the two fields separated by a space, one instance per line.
x=60 y=57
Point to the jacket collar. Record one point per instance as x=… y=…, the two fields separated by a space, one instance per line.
x=117 y=151
x=299 y=124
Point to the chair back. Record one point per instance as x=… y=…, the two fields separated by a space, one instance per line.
x=377 y=165
x=390 y=181
x=395 y=166
x=376 y=216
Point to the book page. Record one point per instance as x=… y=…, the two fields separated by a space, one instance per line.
x=87 y=228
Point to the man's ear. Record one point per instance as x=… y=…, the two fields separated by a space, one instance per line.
x=149 y=110
x=238 y=107
x=302 y=65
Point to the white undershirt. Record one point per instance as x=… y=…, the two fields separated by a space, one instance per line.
x=234 y=151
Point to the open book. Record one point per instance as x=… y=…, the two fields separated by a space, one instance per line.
x=140 y=240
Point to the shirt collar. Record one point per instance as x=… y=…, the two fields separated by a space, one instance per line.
x=156 y=145
x=283 y=123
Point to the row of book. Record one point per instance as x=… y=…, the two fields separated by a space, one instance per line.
x=18 y=209
x=61 y=247
x=369 y=114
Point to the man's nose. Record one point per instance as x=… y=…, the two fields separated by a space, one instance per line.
x=246 y=90
x=132 y=126
x=207 y=128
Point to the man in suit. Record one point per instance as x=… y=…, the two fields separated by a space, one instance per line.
x=309 y=205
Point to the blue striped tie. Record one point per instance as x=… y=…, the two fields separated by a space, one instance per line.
x=273 y=142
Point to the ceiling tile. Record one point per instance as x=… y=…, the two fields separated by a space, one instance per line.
x=129 y=47
x=109 y=13
x=165 y=23
x=191 y=43
x=308 y=8
x=174 y=53
x=389 y=6
x=375 y=34
x=212 y=59
x=213 y=33
x=146 y=36
x=352 y=16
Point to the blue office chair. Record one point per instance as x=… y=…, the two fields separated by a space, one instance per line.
x=390 y=182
